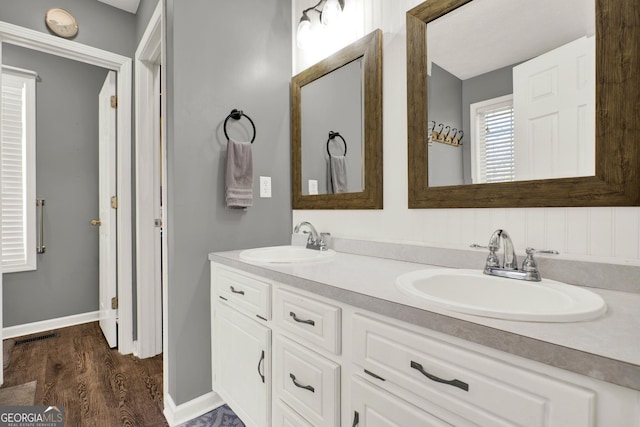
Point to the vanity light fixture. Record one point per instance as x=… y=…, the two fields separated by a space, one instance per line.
x=328 y=10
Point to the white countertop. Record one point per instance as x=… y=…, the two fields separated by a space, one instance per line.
x=615 y=335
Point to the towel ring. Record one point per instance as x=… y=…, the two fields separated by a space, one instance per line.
x=237 y=115
x=333 y=135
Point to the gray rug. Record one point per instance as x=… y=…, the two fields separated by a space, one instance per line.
x=18 y=395
x=219 y=417
x=6 y=352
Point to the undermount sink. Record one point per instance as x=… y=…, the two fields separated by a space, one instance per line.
x=472 y=292
x=284 y=254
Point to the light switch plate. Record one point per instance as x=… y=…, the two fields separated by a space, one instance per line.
x=313 y=187
x=265 y=186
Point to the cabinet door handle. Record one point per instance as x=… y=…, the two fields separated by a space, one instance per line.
x=356 y=418
x=297 y=384
x=297 y=319
x=236 y=292
x=259 y=364
x=456 y=383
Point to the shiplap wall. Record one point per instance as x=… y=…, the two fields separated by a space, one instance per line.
x=598 y=234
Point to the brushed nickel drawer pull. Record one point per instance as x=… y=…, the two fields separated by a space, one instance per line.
x=297 y=384
x=297 y=319
x=260 y=364
x=236 y=292
x=456 y=383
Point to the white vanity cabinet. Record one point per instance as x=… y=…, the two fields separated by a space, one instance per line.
x=241 y=344
x=337 y=365
x=242 y=365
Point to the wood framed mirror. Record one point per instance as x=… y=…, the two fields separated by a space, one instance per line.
x=341 y=94
x=616 y=181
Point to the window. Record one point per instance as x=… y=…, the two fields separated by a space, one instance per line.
x=492 y=136
x=17 y=142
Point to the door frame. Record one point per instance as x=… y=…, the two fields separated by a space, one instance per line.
x=151 y=317
x=36 y=40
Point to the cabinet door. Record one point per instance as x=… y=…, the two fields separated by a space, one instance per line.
x=242 y=360
x=373 y=407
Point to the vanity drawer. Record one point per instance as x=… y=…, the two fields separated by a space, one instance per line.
x=372 y=406
x=475 y=386
x=283 y=416
x=244 y=292
x=307 y=382
x=315 y=322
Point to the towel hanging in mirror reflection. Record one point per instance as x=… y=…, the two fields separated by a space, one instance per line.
x=337 y=166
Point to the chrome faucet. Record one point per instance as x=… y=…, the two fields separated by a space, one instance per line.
x=509 y=267
x=510 y=260
x=314 y=241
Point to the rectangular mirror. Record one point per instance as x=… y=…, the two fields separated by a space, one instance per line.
x=487 y=82
x=332 y=129
x=525 y=113
x=336 y=129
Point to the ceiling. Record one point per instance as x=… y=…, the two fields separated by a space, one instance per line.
x=130 y=6
x=485 y=35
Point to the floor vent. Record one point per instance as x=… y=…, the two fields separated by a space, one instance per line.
x=38 y=338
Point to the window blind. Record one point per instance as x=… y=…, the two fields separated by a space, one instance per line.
x=496 y=140
x=17 y=213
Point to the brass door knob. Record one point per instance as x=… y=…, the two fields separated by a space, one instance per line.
x=96 y=222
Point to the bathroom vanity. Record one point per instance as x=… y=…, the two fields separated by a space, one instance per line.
x=334 y=343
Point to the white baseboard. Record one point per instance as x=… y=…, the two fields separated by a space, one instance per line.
x=177 y=415
x=47 y=325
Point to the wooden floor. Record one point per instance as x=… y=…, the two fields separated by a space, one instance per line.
x=96 y=385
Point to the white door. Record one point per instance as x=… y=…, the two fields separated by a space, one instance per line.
x=242 y=365
x=107 y=220
x=554 y=104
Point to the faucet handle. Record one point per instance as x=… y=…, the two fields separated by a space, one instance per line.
x=531 y=251
x=492 y=258
x=477 y=246
x=323 y=241
x=530 y=265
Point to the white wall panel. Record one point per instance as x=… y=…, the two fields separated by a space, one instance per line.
x=555 y=230
x=601 y=232
x=626 y=229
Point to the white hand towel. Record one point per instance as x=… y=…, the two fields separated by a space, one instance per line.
x=239 y=175
x=338 y=170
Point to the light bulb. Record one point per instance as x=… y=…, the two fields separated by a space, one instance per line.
x=303 y=35
x=330 y=12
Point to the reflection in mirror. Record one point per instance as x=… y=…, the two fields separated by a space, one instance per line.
x=332 y=126
x=615 y=179
x=528 y=110
x=336 y=129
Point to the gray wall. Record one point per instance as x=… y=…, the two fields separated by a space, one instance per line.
x=66 y=280
x=145 y=10
x=100 y=25
x=222 y=55
x=445 y=95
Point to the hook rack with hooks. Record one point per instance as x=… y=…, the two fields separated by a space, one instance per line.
x=445 y=134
